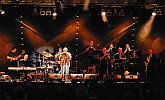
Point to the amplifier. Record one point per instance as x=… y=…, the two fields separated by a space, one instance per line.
x=5 y=78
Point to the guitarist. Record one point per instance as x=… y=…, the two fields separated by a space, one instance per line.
x=150 y=64
x=14 y=57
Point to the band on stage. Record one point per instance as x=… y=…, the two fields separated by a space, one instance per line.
x=103 y=62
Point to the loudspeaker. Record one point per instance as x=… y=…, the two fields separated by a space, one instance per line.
x=131 y=77
x=117 y=77
x=90 y=78
x=6 y=78
x=55 y=76
x=76 y=77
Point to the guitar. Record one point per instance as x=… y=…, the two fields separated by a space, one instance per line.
x=17 y=57
x=147 y=62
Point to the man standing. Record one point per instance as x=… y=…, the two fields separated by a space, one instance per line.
x=150 y=64
x=65 y=63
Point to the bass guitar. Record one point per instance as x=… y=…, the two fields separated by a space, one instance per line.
x=17 y=57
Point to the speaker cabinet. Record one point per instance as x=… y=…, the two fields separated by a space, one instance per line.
x=131 y=78
x=90 y=78
x=76 y=77
x=5 y=78
x=55 y=76
x=117 y=78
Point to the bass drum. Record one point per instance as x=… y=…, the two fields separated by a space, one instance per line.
x=57 y=69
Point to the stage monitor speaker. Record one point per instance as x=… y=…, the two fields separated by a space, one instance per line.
x=55 y=76
x=6 y=78
x=90 y=78
x=76 y=77
x=131 y=77
x=117 y=77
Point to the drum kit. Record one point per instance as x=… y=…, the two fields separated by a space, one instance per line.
x=45 y=64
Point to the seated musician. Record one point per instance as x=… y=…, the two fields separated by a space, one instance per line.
x=119 y=60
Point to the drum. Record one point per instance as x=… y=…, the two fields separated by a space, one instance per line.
x=56 y=68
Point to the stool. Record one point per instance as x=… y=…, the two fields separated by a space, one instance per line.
x=92 y=69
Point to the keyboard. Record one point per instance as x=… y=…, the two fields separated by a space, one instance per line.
x=22 y=68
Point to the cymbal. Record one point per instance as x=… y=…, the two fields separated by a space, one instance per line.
x=46 y=54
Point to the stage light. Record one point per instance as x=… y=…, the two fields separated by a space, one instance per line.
x=35 y=12
x=2 y=12
x=159 y=12
x=115 y=13
x=54 y=12
x=153 y=13
x=103 y=13
x=42 y=12
x=109 y=12
x=48 y=12
x=121 y=13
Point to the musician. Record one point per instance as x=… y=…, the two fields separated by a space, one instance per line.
x=90 y=54
x=127 y=51
x=65 y=63
x=58 y=55
x=134 y=54
x=150 y=64
x=105 y=62
x=120 y=59
x=111 y=50
x=133 y=66
x=13 y=57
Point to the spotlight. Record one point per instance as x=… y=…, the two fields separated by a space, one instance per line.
x=54 y=12
x=121 y=13
x=35 y=13
x=2 y=12
x=159 y=12
x=153 y=13
x=115 y=13
x=42 y=12
x=103 y=13
x=109 y=12
x=48 y=12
